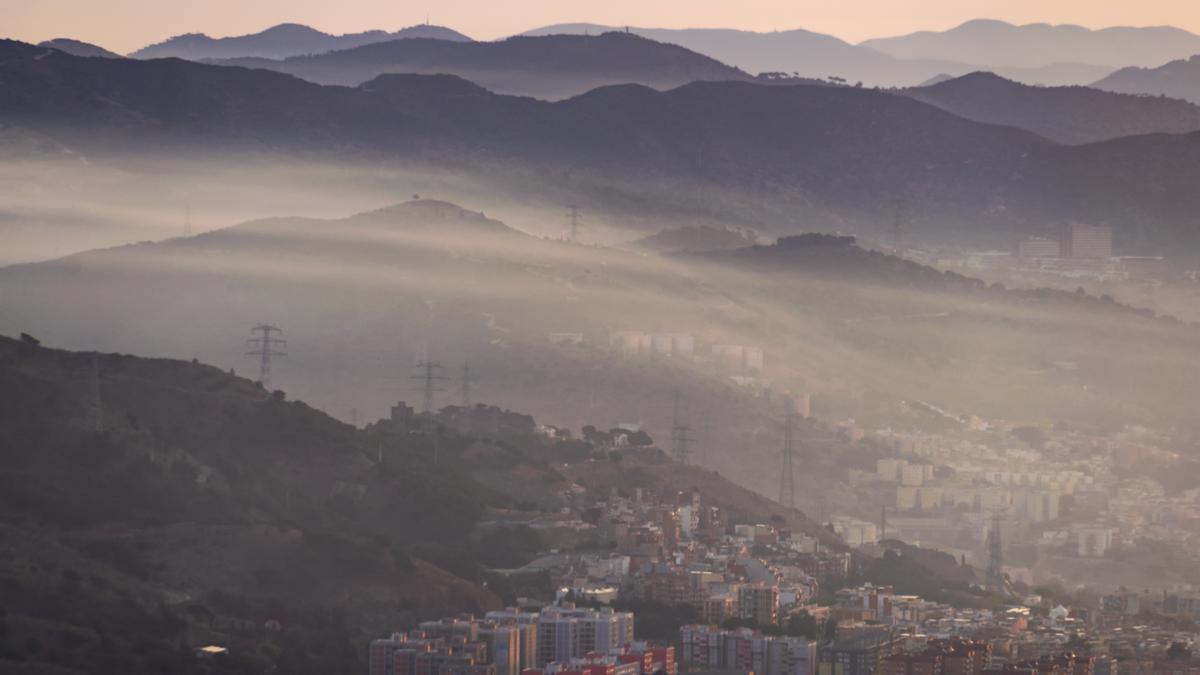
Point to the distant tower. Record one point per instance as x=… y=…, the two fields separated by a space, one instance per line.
x=995 y=570
x=465 y=386
x=96 y=414
x=574 y=219
x=265 y=346
x=787 y=477
x=429 y=374
x=898 y=226
x=680 y=440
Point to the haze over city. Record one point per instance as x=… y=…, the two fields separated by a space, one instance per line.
x=615 y=338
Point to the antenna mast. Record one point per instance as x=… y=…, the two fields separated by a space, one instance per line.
x=265 y=346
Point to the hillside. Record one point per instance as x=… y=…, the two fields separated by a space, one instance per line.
x=192 y=506
x=78 y=48
x=817 y=158
x=282 y=41
x=819 y=56
x=361 y=298
x=1072 y=115
x=986 y=42
x=553 y=67
x=693 y=240
x=204 y=507
x=1176 y=79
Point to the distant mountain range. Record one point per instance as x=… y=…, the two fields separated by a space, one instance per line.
x=815 y=55
x=991 y=43
x=1064 y=114
x=1177 y=79
x=551 y=67
x=282 y=41
x=79 y=48
x=815 y=157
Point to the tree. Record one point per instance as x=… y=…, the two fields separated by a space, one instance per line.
x=1179 y=651
x=830 y=630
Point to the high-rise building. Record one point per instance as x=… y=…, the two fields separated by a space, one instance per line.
x=711 y=648
x=1038 y=247
x=565 y=633
x=759 y=603
x=1086 y=241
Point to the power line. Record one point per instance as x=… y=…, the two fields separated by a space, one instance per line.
x=265 y=347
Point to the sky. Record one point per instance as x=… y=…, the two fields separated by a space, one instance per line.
x=126 y=25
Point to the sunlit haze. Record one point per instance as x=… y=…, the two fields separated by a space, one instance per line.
x=125 y=25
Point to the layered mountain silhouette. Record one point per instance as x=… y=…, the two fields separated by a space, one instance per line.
x=282 y=41
x=986 y=42
x=1064 y=114
x=79 y=48
x=556 y=66
x=812 y=157
x=815 y=55
x=1177 y=79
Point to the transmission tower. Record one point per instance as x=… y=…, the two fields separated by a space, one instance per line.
x=465 y=386
x=574 y=219
x=429 y=375
x=97 y=410
x=995 y=569
x=680 y=440
x=265 y=346
x=787 y=478
x=898 y=226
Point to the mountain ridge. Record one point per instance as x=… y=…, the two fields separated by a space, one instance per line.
x=1072 y=115
x=1177 y=79
x=993 y=43
x=280 y=41
x=553 y=67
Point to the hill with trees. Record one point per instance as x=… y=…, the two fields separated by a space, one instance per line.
x=1072 y=115
x=549 y=67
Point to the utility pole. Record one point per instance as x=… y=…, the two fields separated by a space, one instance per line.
x=97 y=411
x=265 y=346
x=573 y=219
x=787 y=478
x=429 y=374
x=680 y=440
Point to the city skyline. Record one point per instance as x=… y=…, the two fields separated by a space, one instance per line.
x=112 y=24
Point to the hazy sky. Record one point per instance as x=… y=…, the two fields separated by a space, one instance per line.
x=124 y=25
